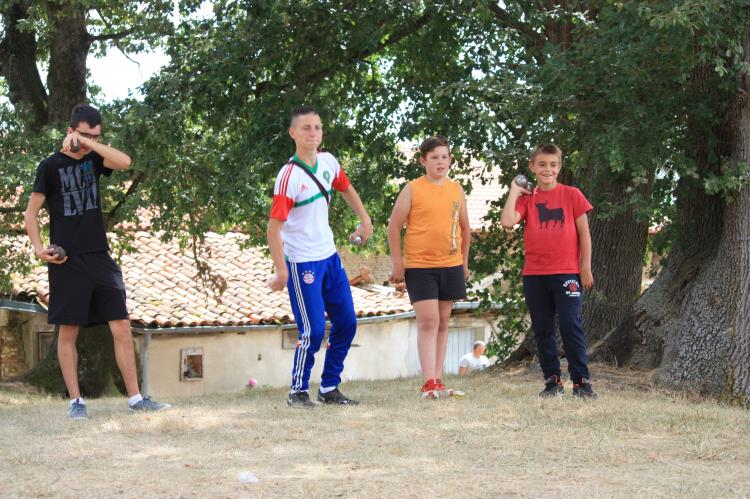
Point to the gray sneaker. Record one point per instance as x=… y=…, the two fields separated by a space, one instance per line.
x=77 y=411
x=148 y=405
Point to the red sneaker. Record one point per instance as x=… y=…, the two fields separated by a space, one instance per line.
x=429 y=390
x=445 y=391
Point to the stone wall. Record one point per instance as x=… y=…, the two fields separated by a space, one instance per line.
x=19 y=340
x=12 y=355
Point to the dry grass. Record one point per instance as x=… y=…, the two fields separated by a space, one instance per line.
x=500 y=440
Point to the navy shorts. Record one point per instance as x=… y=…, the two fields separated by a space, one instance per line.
x=87 y=289
x=443 y=283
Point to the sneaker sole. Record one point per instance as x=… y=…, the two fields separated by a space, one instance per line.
x=432 y=395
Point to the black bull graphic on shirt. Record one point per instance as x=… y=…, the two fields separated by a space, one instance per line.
x=547 y=214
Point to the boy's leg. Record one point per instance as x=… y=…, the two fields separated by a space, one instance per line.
x=441 y=341
x=125 y=354
x=451 y=287
x=68 y=357
x=541 y=305
x=108 y=304
x=70 y=292
x=337 y=296
x=428 y=322
x=568 y=300
x=306 y=298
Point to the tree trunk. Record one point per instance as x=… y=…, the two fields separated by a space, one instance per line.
x=69 y=47
x=98 y=373
x=693 y=324
x=18 y=54
x=618 y=246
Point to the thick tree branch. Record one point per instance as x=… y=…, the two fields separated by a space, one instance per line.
x=18 y=53
x=112 y=36
x=139 y=177
x=354 y=56
x=534 y=41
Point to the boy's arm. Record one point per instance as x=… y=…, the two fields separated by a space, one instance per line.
x=398 y=216
x=510 y=217
x=276 y=245
x=355 y=203
x=113 y=158
x=584 y=242
x=463 y=221
x=31 y=223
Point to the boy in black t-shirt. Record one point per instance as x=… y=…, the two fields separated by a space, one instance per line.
x=86 y=285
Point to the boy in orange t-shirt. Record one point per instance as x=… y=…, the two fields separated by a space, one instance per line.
x=436 y=256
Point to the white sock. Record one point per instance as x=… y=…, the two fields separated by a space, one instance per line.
x=327 y=389
x=135 y=399
x=79 y=400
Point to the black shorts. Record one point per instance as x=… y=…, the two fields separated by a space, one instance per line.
x=444 y=283
x=87 y=289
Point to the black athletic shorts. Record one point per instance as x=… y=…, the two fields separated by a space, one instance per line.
x=444 y=283
x=87 y=289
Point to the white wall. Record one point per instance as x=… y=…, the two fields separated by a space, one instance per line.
x=381 y=350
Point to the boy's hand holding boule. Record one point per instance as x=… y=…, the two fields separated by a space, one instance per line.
x=52 y=254
x=523 y=185
x=71 y=142
x=361 y=234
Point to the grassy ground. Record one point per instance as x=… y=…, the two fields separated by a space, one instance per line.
x=500 y=440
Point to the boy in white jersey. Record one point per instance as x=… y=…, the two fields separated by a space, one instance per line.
x=305 y=258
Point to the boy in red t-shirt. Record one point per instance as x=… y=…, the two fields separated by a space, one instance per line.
x=557 y=246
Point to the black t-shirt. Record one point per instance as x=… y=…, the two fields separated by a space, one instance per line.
x=71 y=187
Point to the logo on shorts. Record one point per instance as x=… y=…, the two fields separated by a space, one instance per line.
x=308 y=277
x=572 y=288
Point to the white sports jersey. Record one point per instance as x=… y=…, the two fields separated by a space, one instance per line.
x=297 y=200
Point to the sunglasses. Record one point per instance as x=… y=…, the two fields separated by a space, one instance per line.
x=88 y=135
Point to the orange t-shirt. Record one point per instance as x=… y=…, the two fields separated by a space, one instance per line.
x=433 y=234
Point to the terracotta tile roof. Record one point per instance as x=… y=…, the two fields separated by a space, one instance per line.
x=163 y=290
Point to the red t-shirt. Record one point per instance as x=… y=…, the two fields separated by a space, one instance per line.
x=550 y=235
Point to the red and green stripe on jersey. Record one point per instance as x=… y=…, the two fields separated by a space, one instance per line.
x=298 y=201
x=331 y=175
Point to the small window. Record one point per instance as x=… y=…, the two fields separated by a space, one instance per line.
x=290 y=338
x=191 y=365
x=44 y=341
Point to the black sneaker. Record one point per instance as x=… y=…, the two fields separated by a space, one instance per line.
x=584 y=390
x=335 y=397
x=300 y=399
x=553 y=387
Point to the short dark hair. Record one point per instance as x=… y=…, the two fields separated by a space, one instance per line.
x=302 y=111
x=431 y=143
x=545 y=149
x=84 y=112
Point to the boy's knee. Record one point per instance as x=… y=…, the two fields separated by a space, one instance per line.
x=315 y=335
